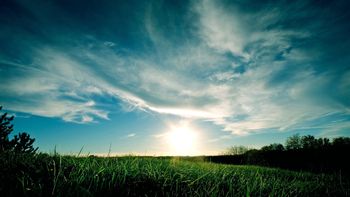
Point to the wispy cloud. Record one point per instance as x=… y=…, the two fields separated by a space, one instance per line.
x=240 y=69
x=222 y=137
x=131 y=135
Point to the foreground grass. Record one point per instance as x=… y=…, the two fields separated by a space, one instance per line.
x=44 y=175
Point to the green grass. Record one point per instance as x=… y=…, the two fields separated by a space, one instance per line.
x=45 y=175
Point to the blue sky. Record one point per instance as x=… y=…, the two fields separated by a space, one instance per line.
x=119 y=74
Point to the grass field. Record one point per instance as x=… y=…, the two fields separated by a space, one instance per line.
x=45 y=175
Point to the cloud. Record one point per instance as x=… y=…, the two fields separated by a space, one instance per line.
x=221 y=29
x=56 y=88
x=131 y=135
x=222 y=137
x=245 y=69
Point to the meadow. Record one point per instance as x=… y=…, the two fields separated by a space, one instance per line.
x=55 y=175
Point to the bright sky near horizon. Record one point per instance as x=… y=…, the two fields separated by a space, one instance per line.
x=174 y=77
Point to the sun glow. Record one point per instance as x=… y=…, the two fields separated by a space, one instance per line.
x=182 y=140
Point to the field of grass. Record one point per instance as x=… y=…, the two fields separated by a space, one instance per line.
x=45 y=175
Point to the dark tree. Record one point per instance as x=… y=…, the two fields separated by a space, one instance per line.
x=5 y=129
x=294 y=142
x=21 y=143
x=325 y=142
x=273 y=147
x=309 y=142
x=341 y=142
x=237 y=150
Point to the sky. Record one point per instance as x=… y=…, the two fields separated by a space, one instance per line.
x=116 y=76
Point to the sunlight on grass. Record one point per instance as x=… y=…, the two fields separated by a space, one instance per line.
x=56 y=175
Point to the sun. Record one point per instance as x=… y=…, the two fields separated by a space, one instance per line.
x=182 y=140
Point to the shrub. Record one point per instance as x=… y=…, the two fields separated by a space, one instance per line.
x=21 y=143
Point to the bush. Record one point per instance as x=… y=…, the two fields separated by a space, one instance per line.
x=21 y=143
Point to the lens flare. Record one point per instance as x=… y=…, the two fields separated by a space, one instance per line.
x=182 y=140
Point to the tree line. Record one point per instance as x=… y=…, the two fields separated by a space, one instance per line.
x=298 y=153
x=308 y=142
x=295 y=142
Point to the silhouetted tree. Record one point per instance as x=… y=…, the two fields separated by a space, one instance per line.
x=273 y=147
x=5 y=129
x=313 y=154
x=309 y=142
x=237 y=150
x=341 y=142
x=325 y=142
x=294 y=142
x=21 y=143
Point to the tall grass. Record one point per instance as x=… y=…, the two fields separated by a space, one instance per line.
x=55 y=175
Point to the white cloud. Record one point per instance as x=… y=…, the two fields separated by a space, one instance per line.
x=150 y=87
x=220 y=138
x=220 y=29
x=196 y=79
x=131 y=135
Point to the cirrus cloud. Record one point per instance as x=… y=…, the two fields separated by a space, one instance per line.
x=244 y=69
